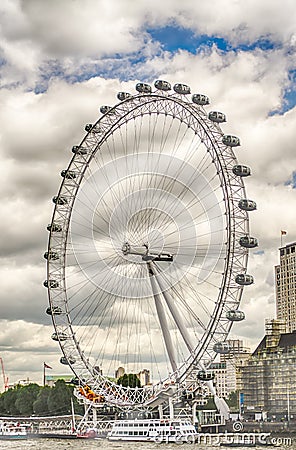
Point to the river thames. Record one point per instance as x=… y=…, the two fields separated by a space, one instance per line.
x=104 y=444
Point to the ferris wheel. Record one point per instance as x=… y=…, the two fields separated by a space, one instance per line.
x=148 y=244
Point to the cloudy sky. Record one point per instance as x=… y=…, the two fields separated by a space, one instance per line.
x=61 y=60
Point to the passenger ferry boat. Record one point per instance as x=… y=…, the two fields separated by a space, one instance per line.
x=10 y=431
x=155 y=430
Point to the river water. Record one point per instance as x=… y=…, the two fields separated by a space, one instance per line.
x=104 y=444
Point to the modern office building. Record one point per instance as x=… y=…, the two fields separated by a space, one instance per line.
x=237 y=357
x=144 y=377
x=224 y=380
x=285 y=276
x=228 y=370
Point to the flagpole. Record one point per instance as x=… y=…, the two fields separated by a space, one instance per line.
x=283 y=233
x=43 y=374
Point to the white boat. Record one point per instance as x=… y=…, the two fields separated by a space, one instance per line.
x=12 y=430
x=155 y=430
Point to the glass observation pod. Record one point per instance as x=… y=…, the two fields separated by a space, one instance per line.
x=205 y=375
x=54 y=227
x=248 y=242
x=105 y=109
x=93 y=128
x=247 y=205
x=230 y=141
x=67 y=361
x=51 y=283
x=123 y=96
x=244 y=279
x=60 y=200
x=79 y=150
x=241 y=171
x=68 y=174
x=54 y=310
x=200 y=99
x=88 y=127
x=51 y=255
x=180 y=88
x=234 y=315
x=143 y=88
x=216 y=116
x=59 y=336
x=221 y=347
x=163 y=85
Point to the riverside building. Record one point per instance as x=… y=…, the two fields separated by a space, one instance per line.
x=269 y=376
x=285 y=276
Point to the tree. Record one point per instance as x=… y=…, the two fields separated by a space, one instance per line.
x=233 y=399
x=59 y=399
x=40 y=406
x=10 y=398
x=26 y=400
x=26 y=396
x=129 y=380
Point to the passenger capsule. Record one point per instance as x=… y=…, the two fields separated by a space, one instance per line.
x=60 y=336
x=234 y=315
x=51 y=283
x=68 y=174
x=54 y=310
x=79 y=150
x=222 y=348
x=230 y=141
x=248 y=242
x=180 y=88
x=123 y=96
x=162 y=85
x=105 y=109
x=216 y=116
x=143 y=88
x=67 y=361
x=205 y=375
x=60 y=200
x=200 y=99
x=88 y=127
x=54 y=227
x=244 y=279
x=241 y=171
x=247 y=205
x=51 y=255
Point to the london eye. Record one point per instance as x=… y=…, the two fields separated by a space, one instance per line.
x=148 y=244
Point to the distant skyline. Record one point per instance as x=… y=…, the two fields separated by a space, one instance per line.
x=59 y=61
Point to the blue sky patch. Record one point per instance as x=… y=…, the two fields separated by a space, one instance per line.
x=292 y=180
x=289 y=95
x=173 y=38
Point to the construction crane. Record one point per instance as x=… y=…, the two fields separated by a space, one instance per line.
x=5 y=378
